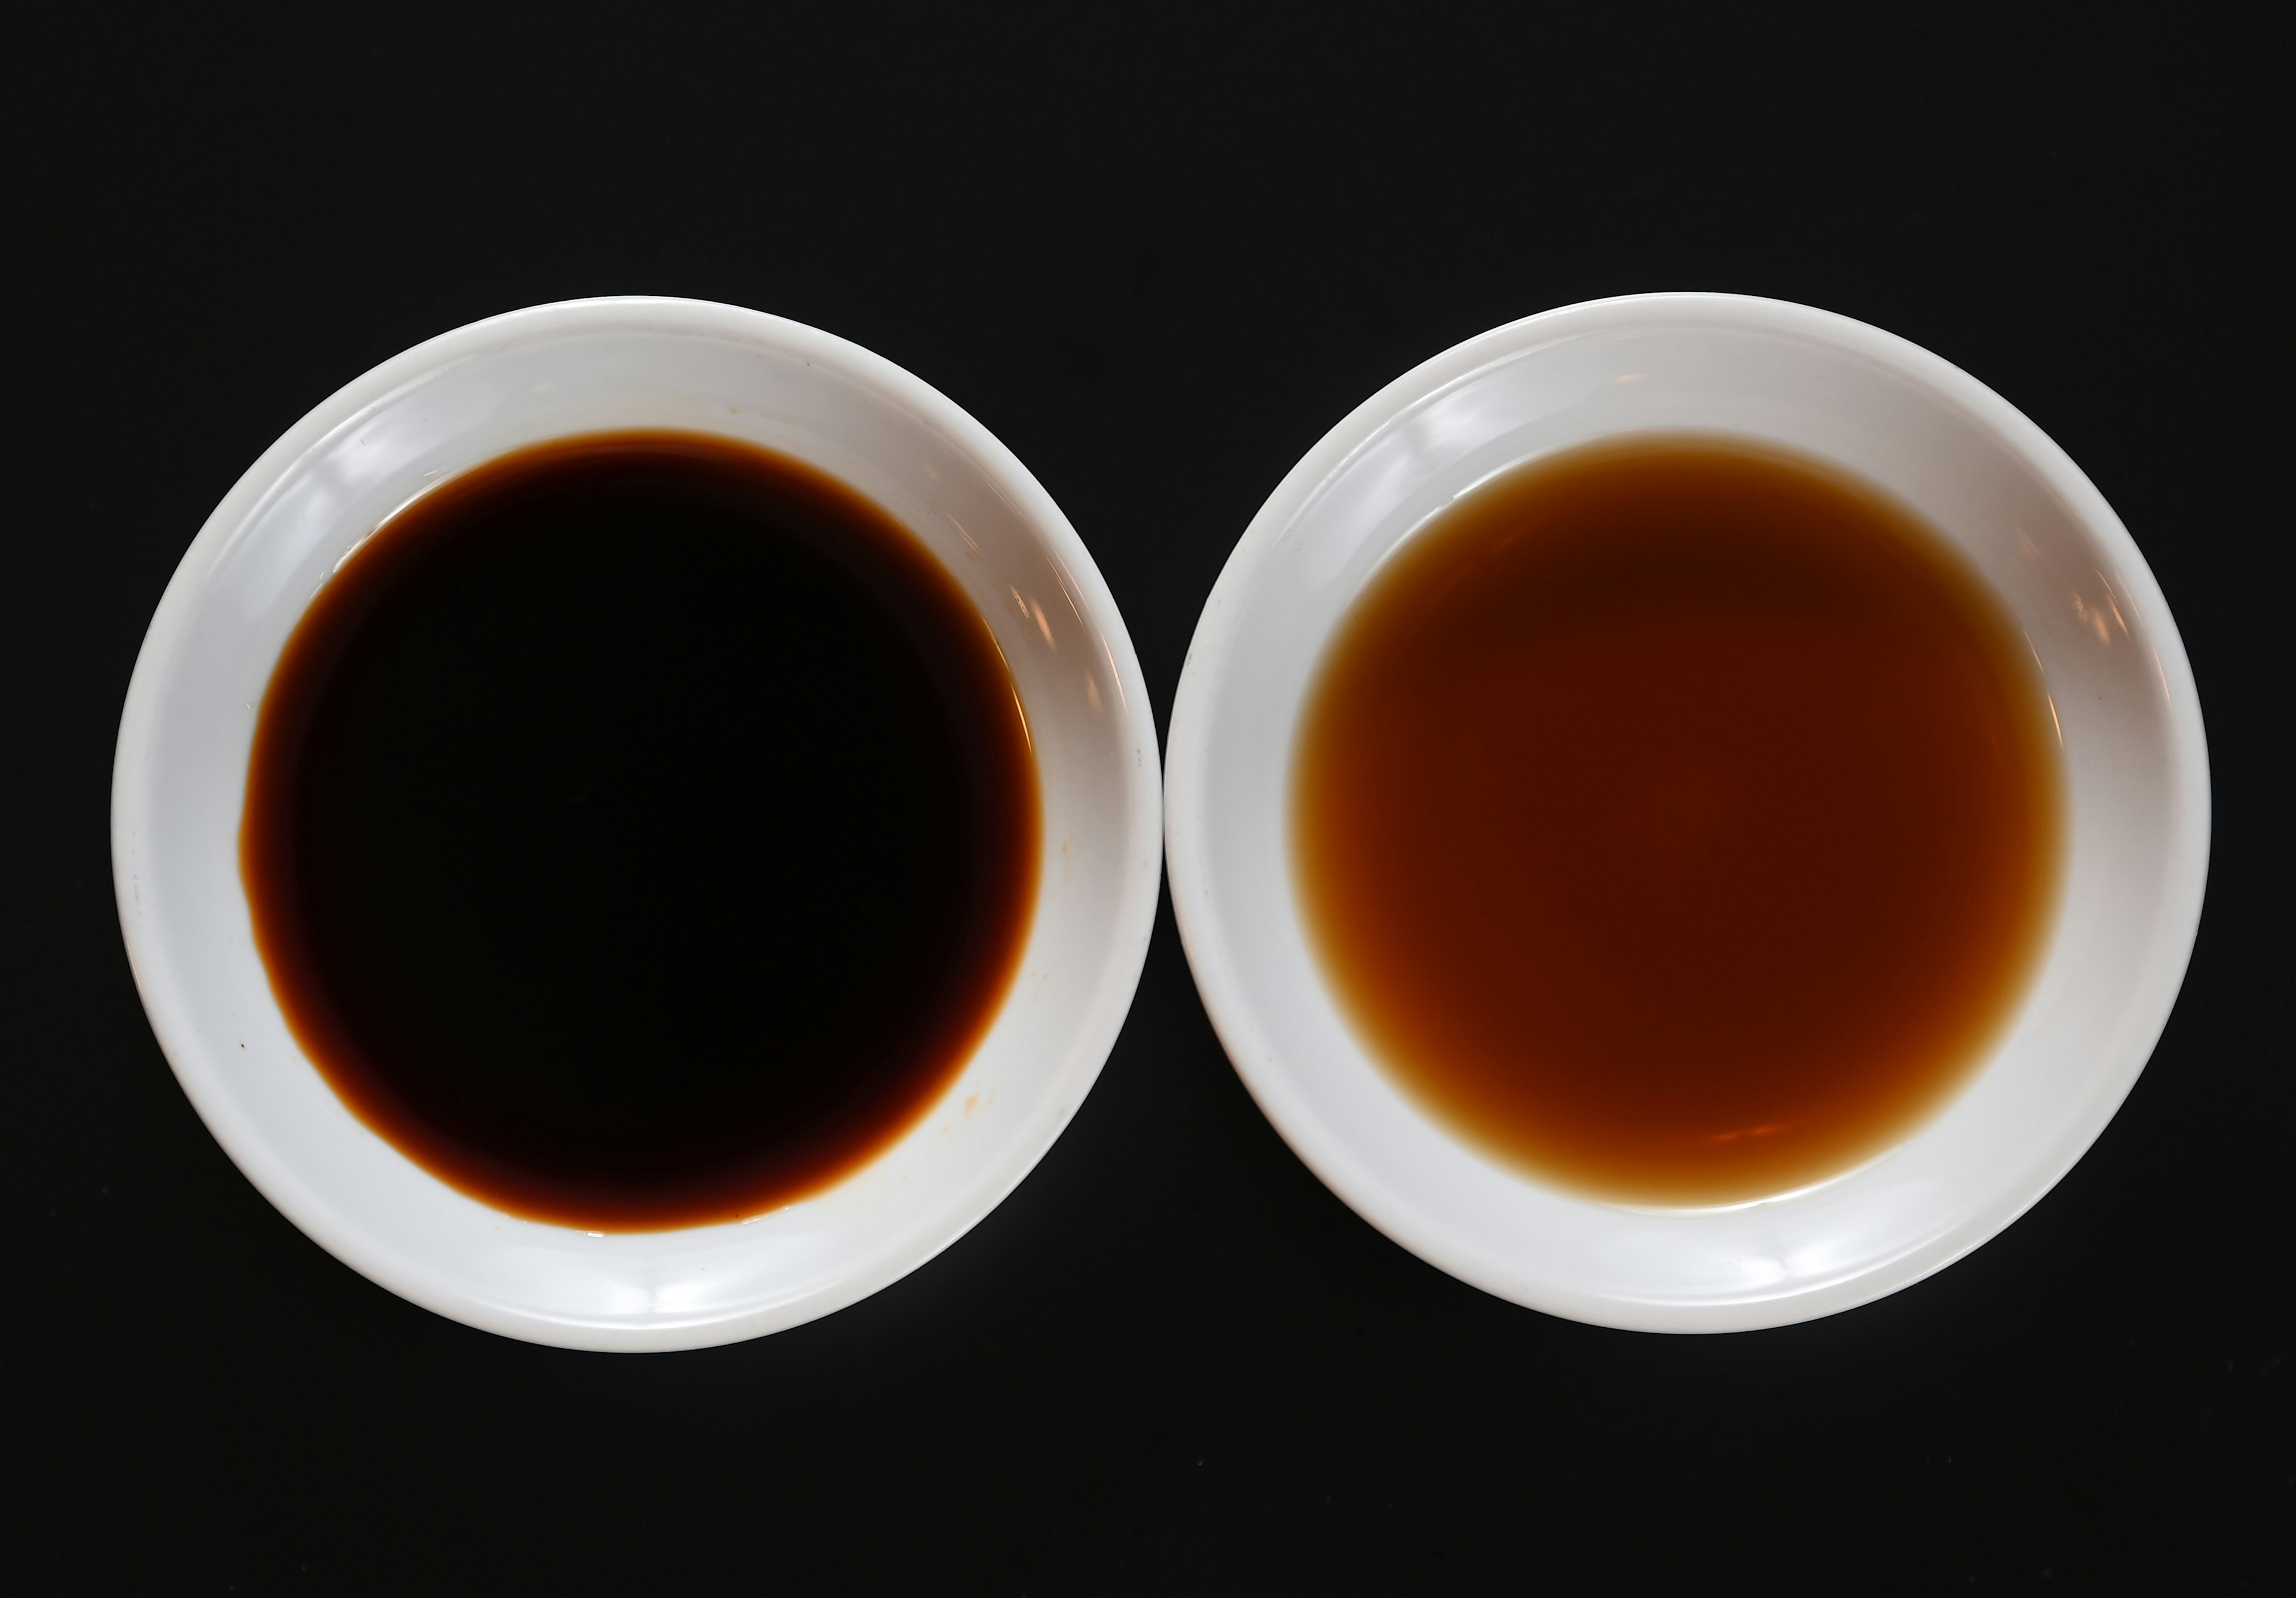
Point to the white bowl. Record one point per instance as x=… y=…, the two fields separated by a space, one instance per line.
x=180 y=772
x=2135 y=756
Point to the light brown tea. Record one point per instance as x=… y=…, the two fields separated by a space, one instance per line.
x=1677 y=820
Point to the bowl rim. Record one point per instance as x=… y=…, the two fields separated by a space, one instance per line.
x=1188 y=758
x=273 y=1171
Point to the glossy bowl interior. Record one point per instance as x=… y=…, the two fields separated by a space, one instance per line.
x=2115 y=670
x=451 y=404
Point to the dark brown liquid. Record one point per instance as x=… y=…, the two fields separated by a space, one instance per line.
x=1678 y=821
x=641 y=831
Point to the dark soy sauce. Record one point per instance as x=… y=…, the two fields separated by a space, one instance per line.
x=1678 y=821
x=641 y=831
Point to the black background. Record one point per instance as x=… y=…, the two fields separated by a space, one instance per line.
x=1158 y=252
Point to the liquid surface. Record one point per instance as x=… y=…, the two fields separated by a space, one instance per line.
x=642 y=831
x=1676 y=822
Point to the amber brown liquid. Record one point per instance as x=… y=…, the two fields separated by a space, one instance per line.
x=641 y=831
x=1678 y=821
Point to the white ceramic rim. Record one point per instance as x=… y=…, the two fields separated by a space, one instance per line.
x=268 y=1168
x=1194 y=891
